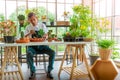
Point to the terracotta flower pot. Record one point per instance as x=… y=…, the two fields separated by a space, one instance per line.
x=105 y=54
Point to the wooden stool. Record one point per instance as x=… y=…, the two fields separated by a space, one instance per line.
x=74 y=71
x=10 y=58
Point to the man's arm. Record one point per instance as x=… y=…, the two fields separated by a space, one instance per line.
x=30 y=33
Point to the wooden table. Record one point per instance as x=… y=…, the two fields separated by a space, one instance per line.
x=11 y=53
x=74 y=71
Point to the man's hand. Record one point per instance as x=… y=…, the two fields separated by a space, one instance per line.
x=45 y=36
x=32 y=32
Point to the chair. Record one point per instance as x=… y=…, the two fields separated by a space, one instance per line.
x=37 y=58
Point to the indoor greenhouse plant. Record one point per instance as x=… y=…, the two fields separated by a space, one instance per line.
x=9 y=30
x=51 y=18
x=105 y=48
x=80 y=21
x=21 y=19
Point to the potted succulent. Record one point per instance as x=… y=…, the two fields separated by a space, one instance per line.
x=9 y=30
x=23 y=39
x=105 y=48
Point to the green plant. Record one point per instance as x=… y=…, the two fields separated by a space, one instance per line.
x=115 y=53
x=21 y=17
x=80 y=21
x=41 y=32
x=8 y=28
x=51 y=17
x=105 y=43
x=22 y=34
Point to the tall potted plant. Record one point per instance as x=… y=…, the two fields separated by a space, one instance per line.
x=105 y=48
x=80 y=21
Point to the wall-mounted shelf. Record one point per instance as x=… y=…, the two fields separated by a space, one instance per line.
x=58 y=25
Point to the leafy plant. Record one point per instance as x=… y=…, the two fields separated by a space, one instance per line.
x=8 y=28
x=105 y=43
x=21 y=17
x=80 y=21
x=41 y=32
x=51 y=17
x=115 y=53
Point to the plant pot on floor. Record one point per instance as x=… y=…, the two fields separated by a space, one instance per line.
x=9 y=39
x=93 y=58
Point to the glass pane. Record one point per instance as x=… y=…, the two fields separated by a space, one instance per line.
x=42 y=5
x=109 y=27
x=60 y=11
x=69 y=1
x=2 y=10
x=117 y=25
x=96 y=9
x=42 y=0
x=51 y=0
x=11 y=10
x=109 y=7
x=69 y=7
x=31 y=5
x=60 y=1
x=87 y=2
x=51 y=11
x=21 y=7
x=42 y=9
x=102 y=8
x=117 y=7
x=78 y=1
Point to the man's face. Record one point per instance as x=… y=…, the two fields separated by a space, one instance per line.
x=33 y=20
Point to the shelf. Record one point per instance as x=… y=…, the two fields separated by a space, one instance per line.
x=77 y=72
x=58 y=25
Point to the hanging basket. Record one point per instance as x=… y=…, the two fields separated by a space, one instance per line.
x=105 y=54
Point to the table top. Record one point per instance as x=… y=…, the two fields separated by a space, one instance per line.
x=41 y=43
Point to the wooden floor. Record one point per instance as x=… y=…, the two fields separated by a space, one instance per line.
x=42 y=76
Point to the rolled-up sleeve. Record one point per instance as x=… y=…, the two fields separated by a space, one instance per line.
x=44 y=28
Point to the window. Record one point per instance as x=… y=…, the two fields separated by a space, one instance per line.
x=10 y=9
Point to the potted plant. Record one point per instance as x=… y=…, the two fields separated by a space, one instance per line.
x=93 y=57
x=105 y=48
x=51 y=19
x=80 y=21
x=23 y=39
x=9 y=30
x=67 y=37
x=21 y=19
